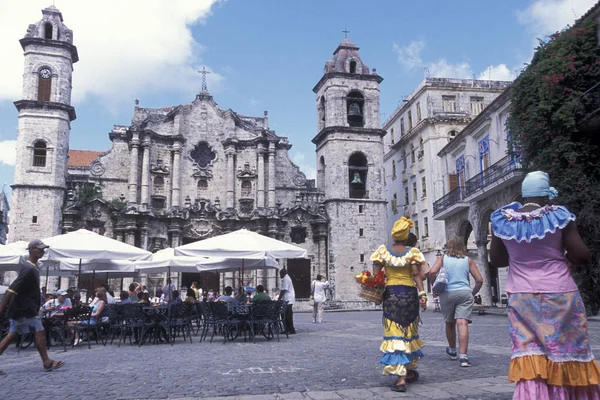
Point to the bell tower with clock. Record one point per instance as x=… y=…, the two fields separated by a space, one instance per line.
x=45 y=115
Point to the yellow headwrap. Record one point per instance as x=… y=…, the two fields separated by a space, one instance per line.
x=401 y=229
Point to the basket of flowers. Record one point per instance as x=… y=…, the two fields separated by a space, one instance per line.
x=372 y=286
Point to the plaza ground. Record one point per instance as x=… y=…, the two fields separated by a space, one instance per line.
x=337 y=359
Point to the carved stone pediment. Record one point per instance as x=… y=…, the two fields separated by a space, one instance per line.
x=247 y=173
x=202 y=173
x=200 y=229
x=159 y=168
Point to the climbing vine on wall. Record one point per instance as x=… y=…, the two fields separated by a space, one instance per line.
x=554 y=128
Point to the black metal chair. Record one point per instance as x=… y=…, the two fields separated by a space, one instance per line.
x=504 y=299
x=180 y=320
x=156 y=324
x=111 y=322
x=198 y=317
x=265 y=319
x=71 y=321
x=239 y=321
x=217 y=318
x=280 y=316
x=130 y=323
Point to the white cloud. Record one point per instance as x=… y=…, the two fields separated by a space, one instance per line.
x=545 y=17
x=130 y=47
x=410 y=57
x=8 y=152
x=308 y=168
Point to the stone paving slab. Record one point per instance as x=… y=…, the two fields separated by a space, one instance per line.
x=338 y=359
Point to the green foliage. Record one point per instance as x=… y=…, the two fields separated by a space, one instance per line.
x=118 y=205
x=86 y=193
x=550 y=130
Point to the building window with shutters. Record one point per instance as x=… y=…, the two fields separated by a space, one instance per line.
x=406 y=199
x=392 y=135
x=39 y=154
x=410 y=120
x=477 y=105
x=404 y=159
x=44 y=84
x=425 y=227
x=416 y=228
x=449 y=103
x=414 y=191
x=395 y=204
x=423 y=187
x=419 y=118
x=401 y=126
x=393 y=169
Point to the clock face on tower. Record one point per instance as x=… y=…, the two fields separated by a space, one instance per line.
x=45 y=73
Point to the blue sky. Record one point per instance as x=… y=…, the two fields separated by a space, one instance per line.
x=265 y=55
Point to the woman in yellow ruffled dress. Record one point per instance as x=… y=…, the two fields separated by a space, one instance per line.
x=401 y=346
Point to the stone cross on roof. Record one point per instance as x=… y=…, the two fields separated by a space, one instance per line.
x=346 y=32
x=204 y=72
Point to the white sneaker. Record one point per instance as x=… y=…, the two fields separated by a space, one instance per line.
x=464 y=362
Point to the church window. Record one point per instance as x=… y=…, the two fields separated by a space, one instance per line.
x=34 y=219
x=159 y=185
x=321 y=174
x=246 y=188
x=48 y=30
x=357 y=176
x=39 y=154
x=203 y=155
x=362 y=257
x=202 y=186
x=354 y=108
x=322 y=108
x=360 y=209
x=352 y=67
x=361 y=232
x=44 y=84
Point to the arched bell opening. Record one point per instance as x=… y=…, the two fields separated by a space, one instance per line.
x=355 y=108
x=357 y=176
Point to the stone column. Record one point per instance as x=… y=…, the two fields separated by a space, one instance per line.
x=175 y=238
x=271 y=174
x=145 y=173
x=260 y=203
x=130 y=237
x=484 y=268
x=144 y=235
x=176 y=195
x=230 y=153
x=133 y=168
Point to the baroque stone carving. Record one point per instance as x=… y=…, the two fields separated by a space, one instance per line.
x=96 y=168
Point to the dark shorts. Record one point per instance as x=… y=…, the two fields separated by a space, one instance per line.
x=25 y=325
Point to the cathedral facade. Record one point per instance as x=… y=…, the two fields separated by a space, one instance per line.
x=185 y=173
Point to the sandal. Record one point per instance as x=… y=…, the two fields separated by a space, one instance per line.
x=399 y=388
x=53 y=365
x=413 y=378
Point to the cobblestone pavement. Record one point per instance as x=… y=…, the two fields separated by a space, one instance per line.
x=337 y=359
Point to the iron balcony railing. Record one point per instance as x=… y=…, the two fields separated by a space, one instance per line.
x=449 y=199
x=499 y=170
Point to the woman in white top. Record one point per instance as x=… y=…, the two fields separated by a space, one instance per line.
x=318 y=291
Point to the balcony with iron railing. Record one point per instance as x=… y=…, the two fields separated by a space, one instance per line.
x=499 y=175
x=449 y=204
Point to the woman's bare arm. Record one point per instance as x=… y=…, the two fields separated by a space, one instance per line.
x=498 y=253
x=476 y=275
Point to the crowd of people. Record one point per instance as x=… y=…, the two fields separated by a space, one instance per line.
x=539 y=242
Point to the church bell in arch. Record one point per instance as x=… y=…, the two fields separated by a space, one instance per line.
x=356 y=179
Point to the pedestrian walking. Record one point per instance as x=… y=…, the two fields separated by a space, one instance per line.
x=401 y=346
x=551 y=355
x=456 y=300
x=23 y=300
x=318 y=287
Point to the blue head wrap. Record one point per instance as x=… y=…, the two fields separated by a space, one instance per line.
x=537 y=184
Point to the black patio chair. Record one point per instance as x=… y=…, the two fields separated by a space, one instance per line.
x=111 y=322
x=198 y=316
x=130 y=323
x=280 y=316
x=180 y=321
x=217 y=318
x=72 y=319
x=156 y=324
x=239 y=321
x=265 y=319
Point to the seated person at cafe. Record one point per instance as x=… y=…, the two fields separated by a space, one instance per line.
x=59 y=304
x=241 y=296
x=133 y=289
x=260 y=294
x=125 y=297
x=145 y=300
x=190 y=296
x=97 y=310
x=227 y=297
x=176 y=297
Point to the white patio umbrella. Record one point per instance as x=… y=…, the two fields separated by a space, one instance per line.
x=166 y=261
x=87 y=245
x=234 y=264
x=241 y=244
x=10 y=256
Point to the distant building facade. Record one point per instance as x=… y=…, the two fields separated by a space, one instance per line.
x=487 y=178
x=428 y=119
x=4 y=209
x=189 y=172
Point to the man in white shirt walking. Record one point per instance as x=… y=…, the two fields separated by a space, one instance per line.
x=287 y=294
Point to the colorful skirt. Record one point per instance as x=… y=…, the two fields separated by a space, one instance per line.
x=401 y=346
x=551 y=355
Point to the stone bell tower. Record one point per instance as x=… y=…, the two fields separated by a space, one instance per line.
x=45 y=115
x=349 y=146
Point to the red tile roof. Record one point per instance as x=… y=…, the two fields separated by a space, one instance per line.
x=82 y=158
